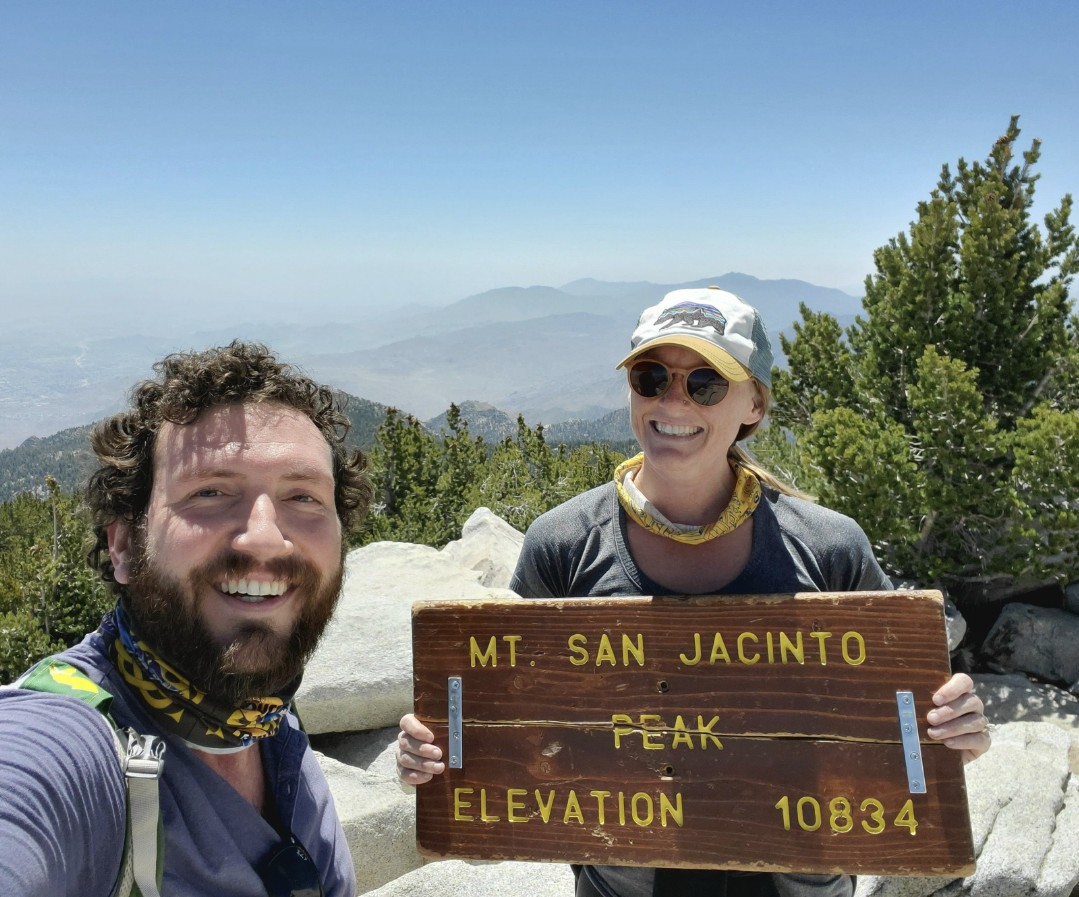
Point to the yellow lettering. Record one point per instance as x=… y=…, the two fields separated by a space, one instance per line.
x=600 y=797
x=621 y=808
x=491 y=654
x=484 y=817
x=646 y=735
x=821 y=638
x=512 y=641
x=796 y=649
x=545 y=808
x=460 y=804
x=512 y=804
x=719 y=650
x=742 y=639
x=634 y=648
x=619 y=731
x=768 y=642
x=860 y=642
x=706 y=732
x=639 y=818
x=696 y=652
x=573 y=808
x=576 y=645
x=681 y=736
x=605 y=651
x=666 y=808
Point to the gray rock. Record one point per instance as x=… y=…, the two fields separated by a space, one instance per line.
x=361 y=675
x=954 y=623
x=1022 y=796
x=1071 y=597
x=457 y=878
x=378 y=815
x=1014 y=698
x=487 y=544
x=359 y=749
x=1038 y=640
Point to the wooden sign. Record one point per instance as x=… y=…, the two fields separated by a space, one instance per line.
x=758 y=732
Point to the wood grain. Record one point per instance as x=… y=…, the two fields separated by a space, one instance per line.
x=596 y=732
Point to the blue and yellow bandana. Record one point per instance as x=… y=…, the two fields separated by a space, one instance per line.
x=179 y=707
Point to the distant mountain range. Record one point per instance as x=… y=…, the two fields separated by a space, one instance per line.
x=545 y=352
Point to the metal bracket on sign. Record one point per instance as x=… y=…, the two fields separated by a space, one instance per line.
x=912 y=748
x=454 y=717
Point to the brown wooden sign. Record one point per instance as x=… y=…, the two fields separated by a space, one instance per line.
x=757 y=732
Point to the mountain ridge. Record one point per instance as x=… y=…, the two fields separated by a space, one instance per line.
x=519 y=348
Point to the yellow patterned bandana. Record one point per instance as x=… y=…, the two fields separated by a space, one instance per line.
x=178 y=706
x=744 y=501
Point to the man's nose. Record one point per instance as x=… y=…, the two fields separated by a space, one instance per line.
x=260 y=535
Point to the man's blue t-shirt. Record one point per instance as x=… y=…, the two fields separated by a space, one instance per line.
x=63 y=805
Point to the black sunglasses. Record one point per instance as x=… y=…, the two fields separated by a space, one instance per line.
x=650 y=379
x=290 y=872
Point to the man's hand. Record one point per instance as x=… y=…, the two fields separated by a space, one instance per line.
x=958 y=719
x=418 y=760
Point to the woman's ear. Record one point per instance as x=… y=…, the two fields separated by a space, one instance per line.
x=757 y=412
x=119 y=535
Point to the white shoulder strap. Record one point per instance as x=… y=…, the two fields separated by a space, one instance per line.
x=143 y=762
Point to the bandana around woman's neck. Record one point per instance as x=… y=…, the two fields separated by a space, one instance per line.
x=180 y=708
x=744 y=501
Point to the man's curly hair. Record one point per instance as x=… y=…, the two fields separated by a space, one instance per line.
x=187 y=384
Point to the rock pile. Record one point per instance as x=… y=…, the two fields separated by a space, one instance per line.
x=1023 y=794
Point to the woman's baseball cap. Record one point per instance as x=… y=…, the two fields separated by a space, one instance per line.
x=724 y=330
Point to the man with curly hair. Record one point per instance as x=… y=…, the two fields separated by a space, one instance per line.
x=221 y=510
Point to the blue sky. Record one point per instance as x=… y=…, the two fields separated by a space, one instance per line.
x=240 y=157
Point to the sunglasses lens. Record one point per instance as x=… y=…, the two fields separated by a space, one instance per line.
x=290 y=872
x=649 y=379
x=706 y=387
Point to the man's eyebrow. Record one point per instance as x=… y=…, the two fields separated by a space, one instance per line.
x=301 y=473
x=308 y=474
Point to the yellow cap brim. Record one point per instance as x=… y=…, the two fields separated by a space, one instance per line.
x=716 y=357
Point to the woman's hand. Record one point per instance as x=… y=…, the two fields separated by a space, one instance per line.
x=418 y=759
x=958 y=719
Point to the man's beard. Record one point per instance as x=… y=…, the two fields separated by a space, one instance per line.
x=256 y=661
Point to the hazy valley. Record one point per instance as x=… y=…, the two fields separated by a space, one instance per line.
x=546 y=353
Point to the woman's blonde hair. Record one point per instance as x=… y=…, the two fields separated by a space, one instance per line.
x=738 y=454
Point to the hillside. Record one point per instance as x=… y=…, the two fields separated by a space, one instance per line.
x=66 y=456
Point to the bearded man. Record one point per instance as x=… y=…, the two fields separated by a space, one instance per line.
x=220 y=509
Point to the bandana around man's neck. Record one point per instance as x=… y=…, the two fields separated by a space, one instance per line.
x=744 y=501
x=180 y=708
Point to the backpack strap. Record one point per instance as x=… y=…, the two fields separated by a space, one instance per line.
x=142 y=759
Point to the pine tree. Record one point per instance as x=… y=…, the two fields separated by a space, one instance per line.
x=49 y=596
x=933 y=419
x=405 y=465
x=463 y=465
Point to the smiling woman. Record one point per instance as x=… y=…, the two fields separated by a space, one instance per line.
x=694 y=515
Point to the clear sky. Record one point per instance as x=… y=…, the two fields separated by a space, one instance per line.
x=243 y=155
